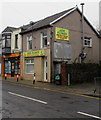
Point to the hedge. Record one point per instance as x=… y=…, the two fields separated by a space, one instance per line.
x=84 y=72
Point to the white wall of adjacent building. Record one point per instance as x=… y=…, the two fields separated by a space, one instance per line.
x=15 y=32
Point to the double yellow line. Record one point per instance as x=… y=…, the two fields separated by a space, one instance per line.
x=55 y=90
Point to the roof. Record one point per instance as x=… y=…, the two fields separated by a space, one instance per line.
x=46 y=22
x=9 y=29
x=49 y=21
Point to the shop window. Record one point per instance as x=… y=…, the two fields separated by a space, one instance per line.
x=29 y=42
x=30 y=66
x=17 y=67
x=43 y=39
x=16 y=41
x=87 y=41
x=8 y=67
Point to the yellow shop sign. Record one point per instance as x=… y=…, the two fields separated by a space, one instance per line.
x=62 y=34
x=33 y=53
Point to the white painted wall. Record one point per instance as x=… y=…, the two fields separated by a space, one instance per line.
x=13 y=40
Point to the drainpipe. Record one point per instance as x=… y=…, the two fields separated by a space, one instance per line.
x=51 y=55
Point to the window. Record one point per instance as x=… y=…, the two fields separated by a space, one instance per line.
x=8 y=43
x=29 y=42
x=3 y=43
x=87 y=42
x=8 y=36
x=7 y=66
x=57 y=68
x=16 y=41
x=43 y=39
x=30 y=66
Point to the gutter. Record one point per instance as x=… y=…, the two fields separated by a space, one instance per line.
x=34 y=29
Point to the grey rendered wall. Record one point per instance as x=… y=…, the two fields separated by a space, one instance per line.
x=36 y=43
x=72 y=22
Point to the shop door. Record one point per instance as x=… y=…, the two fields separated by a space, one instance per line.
x=12 y=69
x=45 y=69
x=57 y=68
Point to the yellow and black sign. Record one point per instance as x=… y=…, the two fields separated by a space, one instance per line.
x=62 y=34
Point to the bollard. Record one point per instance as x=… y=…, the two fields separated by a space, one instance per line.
x=34 y=78
x=95 y=85
x=5 y=76
x=17 y=78
x=68 y=79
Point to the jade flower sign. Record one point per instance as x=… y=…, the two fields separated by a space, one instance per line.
x=33 y=53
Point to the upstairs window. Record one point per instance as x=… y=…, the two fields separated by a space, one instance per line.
x=16 y=41
x=3 y=43
x=43 y=39
x=87 y=41
x=29 y=42
x=8 y=42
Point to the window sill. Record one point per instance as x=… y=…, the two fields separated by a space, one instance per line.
x=30 y=73
x=88 y=46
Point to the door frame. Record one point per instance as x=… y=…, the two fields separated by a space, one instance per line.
x=45 y=69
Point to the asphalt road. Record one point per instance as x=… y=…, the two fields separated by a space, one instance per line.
x=25 y=102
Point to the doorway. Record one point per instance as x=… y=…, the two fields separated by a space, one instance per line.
x=12 y=69
x=45 y=69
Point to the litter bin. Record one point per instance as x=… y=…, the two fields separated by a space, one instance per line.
x=58 y=79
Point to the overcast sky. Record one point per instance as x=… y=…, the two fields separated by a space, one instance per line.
x=16 y=13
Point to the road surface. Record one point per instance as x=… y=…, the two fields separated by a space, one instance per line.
x=21 y=101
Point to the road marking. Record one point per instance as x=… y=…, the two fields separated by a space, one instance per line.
x=86 y=114
x=36 y=100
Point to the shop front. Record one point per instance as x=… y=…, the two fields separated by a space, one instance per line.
x=38 y=63
x=11 y=65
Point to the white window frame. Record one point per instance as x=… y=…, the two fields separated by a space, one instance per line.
x=29 y=63
x=29 y=38
x=42 y=40
x=8 y=36
x=87 y=42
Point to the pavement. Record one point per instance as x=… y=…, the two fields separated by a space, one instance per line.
x=82 y=89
